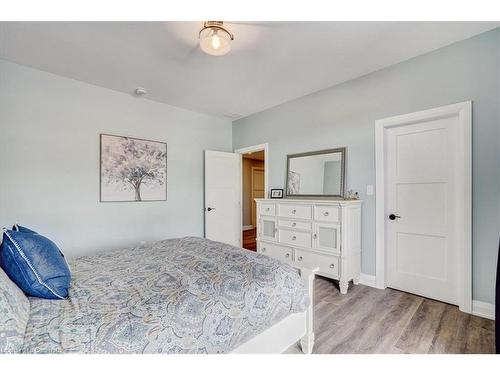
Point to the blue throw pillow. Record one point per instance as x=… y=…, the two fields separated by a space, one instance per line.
x=34 y=263
x=19 y=228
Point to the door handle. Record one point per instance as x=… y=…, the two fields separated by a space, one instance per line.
x=394 y=217
x=210 y=208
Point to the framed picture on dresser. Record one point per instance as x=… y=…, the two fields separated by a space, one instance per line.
x=277 y=193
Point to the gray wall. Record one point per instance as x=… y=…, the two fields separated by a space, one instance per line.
x=49 y=161
x=344 y=115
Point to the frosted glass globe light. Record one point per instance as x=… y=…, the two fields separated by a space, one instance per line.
x=215 y=40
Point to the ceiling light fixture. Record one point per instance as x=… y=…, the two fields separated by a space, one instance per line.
x=215 y=39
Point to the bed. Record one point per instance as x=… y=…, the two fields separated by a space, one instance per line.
x=187 y=295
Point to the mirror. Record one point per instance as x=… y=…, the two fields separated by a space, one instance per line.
x=316 y=174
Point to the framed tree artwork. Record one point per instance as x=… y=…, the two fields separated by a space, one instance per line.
x=132 y=169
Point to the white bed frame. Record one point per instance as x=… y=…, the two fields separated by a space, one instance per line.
x=286 y=332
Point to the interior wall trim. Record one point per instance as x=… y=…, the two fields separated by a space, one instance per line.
x=483 y=309
x=368 y=280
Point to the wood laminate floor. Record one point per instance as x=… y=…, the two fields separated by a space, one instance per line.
x=249 y=239
x=368 y=320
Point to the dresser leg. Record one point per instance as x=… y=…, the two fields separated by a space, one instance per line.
x=343 y=286
x=307 y=343
x=355 y=281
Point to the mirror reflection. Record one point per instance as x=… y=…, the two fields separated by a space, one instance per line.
x=319 y=173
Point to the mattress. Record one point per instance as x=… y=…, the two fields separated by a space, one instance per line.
x=187 y=295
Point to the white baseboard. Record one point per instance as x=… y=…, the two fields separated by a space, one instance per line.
x=368 y=280
x=483 y=309
x=247 y=227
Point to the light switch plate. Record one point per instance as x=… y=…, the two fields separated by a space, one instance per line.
x=369 y=189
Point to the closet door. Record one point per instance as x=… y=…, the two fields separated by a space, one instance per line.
x=424 y=205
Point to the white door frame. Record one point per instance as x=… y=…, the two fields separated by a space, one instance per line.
x=255 y=148
x=464 y=112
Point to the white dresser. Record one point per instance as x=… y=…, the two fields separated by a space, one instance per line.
x=313 y=233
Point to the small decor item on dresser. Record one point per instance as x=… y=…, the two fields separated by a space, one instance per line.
x=351 y=195
x=277 y=193
x=132 y=169
x=34 y=263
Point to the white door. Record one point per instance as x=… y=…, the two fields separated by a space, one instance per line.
x=223 y=197
x=424 y=167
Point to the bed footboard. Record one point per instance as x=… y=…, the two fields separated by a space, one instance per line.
x=295 y=327
x=307 y=341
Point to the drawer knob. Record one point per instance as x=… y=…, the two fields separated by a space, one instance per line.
x=294 y=212
x=294 y=238
x=294 y=224
x=287 y=255
x=332 y=265
x=263 y=249
x=300 y=259
x=315 y=236
x=267 y=208
x=326 y=213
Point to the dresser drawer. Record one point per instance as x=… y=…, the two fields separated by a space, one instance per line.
x=327 y=213
x=267 y=209
x=295 y=224
x=295 y=238
x=282 y=253
x=295 y=211
x=327 y=264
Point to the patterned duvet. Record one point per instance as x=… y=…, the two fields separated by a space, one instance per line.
x=187 y=295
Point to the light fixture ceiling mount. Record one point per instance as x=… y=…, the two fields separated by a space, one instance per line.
x=215 y=39
x=140 y=91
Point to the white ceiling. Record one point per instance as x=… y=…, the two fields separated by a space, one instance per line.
x=270 y=63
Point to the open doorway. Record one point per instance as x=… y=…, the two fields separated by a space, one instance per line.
x=254 y=185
